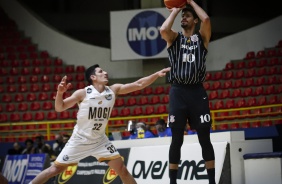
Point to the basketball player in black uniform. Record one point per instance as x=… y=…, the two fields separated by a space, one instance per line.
x=188 y=99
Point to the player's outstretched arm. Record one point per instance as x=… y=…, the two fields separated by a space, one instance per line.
x=139 y=84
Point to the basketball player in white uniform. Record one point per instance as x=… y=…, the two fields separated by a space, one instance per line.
x=95 y=104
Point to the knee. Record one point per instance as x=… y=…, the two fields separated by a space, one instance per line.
x=55 y=170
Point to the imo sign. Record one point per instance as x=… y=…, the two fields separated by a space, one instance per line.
x=143 y=34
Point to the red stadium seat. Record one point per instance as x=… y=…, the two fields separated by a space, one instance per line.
x=79 y=77
x=155 y=99
x=261 y=101
x=80 y=85
x=161 y=109
x=114 y=113
x=39 y=116
x=19 y=97
x=44 y=78
x=260 y=81
x=236 y=93
x=217 y=76
x=224 y=94
x=6 y=98
x=159 y=90
x=208 y=76
x=248 y=92
x=206 y=85
x=119 y=102
x=251 y=64
x=229 y=66
x=48 y=70
x=250 y=73
x=131 y=101
x=213 y=95
x=15 y=117
x=273 y=100
x=147 y=91
x=271 y=80
x=34 y=87
x=57 y=78
x=167 y=89
x=251 y=102
x=269 y=90
x=271 y=53
x=234 y=126
x=10 y=107
x=227 y=84
x=64 y=115
x=238 y=83
x=27 y=116
x=219 y=105
x=240 y=65
x=45 y=87
x=22 y=106
x=261 y=72
x=11 y=88
x=25 y=63
x=149 y=110
x=258 y=91
x=143 y=100
x=22 y=79
x=255 y=124
x=273 y=70
x=239 y=74
x=273 y=61
x=58 y=62
x=165 y=99
x=69 y=69
x=74 y=114
x=34 y=106
x=229 y=104
x=250 y=55
x=260 y=54
x=36 y=71
x=216 y=85
x=59 y=69
x=3 y=119
x=137 y=111
x=267 y=123
x=125 y=111
x=80 y=69
x=52 y=115
x=262 y=63
x=47 y=62
x=222 y=127
x=44 y=54
x=249 y=82
x=245 y=125
x=136 y=93
x=241 y=103
x=221 y=116
x=228 y=75
x=47 y=105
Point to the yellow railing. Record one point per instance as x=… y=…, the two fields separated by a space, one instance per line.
x=213 y=116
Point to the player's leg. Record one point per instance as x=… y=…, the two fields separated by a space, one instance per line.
x=207 y=152
x=119 y=167
x=48 y=173
x=175 y=153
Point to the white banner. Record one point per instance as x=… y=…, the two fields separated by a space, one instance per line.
x=135 y=34
x=149 y=165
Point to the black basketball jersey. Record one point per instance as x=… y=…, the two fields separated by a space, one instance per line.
x=187 y=58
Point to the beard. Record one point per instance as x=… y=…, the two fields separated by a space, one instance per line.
x=184 y=26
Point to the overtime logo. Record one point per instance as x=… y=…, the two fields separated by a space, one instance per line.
x=143 y=34
x=67 y=174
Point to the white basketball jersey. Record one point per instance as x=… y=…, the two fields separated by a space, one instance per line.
x=93 y=114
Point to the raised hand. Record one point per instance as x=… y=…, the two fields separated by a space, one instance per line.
x=63 y=86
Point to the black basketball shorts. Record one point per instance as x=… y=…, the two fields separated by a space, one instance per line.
x=189 y=104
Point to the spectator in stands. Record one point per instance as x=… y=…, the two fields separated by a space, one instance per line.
x=58 y=141
x=59 y=144
x=162 y=129
x=88 y=138
x=29 y=148
x=188 y=98
x=66 y=138
x=16 y=150
x=41 y=147
x=141 y=132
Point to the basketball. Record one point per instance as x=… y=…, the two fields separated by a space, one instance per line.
x=174 y=3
